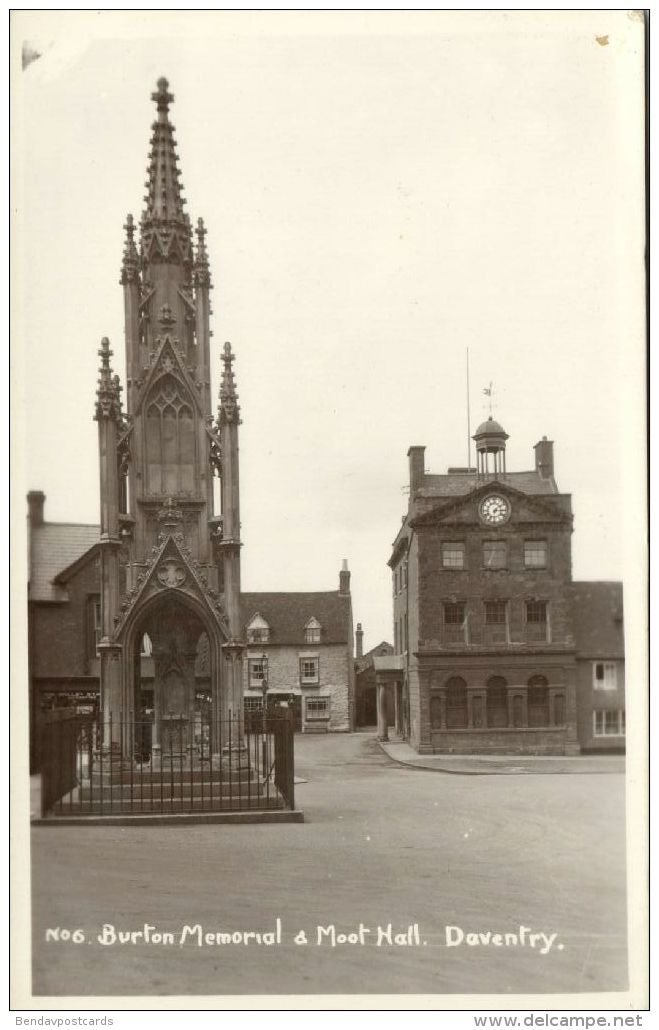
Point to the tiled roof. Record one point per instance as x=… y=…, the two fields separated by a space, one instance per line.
x=383 y=648
x=55 y=546
x=288 y=613
x=598 y=619
x=457 y=484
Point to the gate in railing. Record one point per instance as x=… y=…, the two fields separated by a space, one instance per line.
x=243 y=766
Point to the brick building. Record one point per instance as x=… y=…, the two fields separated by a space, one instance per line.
x=497 y=640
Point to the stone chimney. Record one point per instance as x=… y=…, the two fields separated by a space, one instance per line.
x=416 y=457
x=35 y=503
x=359 y=641
x=544 y=458
x=344 y=578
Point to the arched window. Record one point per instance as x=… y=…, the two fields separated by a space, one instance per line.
x=456 y=703
x=170 y=439
x=497 y=701
x=538 y=701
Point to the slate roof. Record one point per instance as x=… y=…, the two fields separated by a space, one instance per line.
x=288 y=613
x=458 y=484
x=55 y=546
x=597 y=614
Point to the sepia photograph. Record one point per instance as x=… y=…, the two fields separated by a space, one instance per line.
x=329 y=564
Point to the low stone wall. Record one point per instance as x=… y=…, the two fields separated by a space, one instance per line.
x=544 y=740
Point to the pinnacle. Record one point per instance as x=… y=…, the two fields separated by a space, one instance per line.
x=229 y=410
x=108 y=403
x=163 y=199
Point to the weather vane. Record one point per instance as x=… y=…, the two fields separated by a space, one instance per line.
x=488 y=391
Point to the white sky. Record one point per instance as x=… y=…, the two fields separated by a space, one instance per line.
x=381 y=192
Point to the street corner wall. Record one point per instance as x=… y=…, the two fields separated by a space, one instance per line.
x=334 y=683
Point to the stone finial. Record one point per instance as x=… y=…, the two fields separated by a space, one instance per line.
x=229 y=410
x=131 y=262
x=201 y=271
x=163 y=98
x=108 y=394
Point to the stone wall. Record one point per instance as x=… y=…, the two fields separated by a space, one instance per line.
x=284 y=677
x=540 y=741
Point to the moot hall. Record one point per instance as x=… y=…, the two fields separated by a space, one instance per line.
x=496 y=649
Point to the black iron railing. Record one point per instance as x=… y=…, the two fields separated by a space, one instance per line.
x=183 y=763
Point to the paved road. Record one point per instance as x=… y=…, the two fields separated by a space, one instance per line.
x=382 y=844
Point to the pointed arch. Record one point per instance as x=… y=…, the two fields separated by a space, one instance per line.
x=170 y=443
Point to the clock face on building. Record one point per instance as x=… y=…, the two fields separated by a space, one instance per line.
x=494 y=509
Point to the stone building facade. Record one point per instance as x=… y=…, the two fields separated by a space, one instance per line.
x=300 y=648
x=483 y=606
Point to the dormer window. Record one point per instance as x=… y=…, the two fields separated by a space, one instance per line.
x=312 y=631
x=258 y=630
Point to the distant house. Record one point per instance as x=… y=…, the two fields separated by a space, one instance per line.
x=597 y=614
x=300 y=646
x=365 y=685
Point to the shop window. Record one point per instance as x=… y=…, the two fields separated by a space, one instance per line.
x=253 y=704
x=317 y=708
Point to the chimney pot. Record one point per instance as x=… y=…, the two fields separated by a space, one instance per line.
x=344 y=578
x=416 y=457
x=544 y=458
x=35 y=504
x=359 y=641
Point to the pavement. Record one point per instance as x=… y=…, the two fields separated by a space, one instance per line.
x=503 y=765
x=397 y=883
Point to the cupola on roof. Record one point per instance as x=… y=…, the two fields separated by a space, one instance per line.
x=490 y=428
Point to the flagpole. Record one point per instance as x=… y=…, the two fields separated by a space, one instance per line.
x=468 y=418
